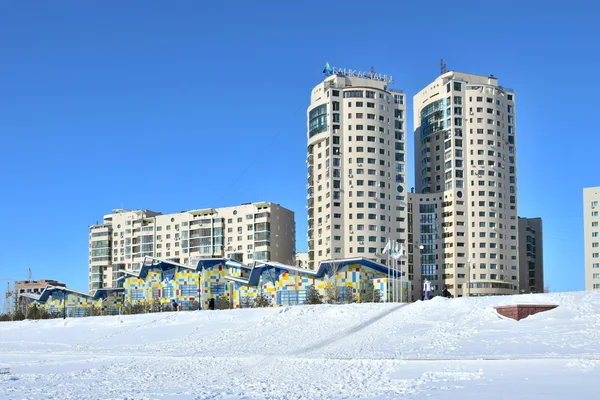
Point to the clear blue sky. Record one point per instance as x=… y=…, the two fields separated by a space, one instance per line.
x=171 y=106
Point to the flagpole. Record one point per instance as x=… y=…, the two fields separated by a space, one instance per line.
x=395 y=271
x=394 y=276
x=388 y=267
x=401 y=273
x=391 y=271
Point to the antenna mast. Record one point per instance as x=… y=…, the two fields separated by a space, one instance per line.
x=443 y=69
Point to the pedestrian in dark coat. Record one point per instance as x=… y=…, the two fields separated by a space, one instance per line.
x=446 y=293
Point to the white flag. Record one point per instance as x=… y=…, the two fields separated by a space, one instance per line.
x=387 y=247
x=398 y=251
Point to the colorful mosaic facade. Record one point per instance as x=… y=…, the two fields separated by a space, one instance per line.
x=158 y=286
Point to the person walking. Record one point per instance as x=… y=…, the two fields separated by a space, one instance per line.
x=427 y=288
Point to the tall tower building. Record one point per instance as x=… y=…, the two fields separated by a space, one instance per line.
x=465 y=155
x=356 y=166
x=591 y=219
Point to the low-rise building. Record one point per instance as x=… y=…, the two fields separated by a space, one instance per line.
x=162 y=285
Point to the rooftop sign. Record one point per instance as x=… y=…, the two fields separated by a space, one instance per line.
x=352 y=73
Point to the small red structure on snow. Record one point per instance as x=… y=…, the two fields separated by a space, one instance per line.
x=520 y=311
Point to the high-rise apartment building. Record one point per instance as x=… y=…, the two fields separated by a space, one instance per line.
x=531 y=255
x=356 y=166
x=248 y=232
x=591 y=230
x=465 y=155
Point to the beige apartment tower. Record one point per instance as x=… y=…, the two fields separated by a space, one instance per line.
x=356 y=166
x=465 y=156
x=247 y=233
x=591 y=230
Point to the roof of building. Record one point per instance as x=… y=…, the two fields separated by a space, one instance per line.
x=50 y=289
x=259 y=267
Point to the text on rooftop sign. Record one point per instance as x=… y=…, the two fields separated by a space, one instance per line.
x=352 y=73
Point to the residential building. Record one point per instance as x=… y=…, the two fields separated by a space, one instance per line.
x=465 y=154
x=302 y=260
x=531 y=255
x=251 y=231
x=32 y=287
x=356 y=166
x=591 y=230
x=35 y=287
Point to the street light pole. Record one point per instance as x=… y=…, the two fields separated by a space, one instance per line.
x=64 y=304
x=421 y=247
x=469 y=278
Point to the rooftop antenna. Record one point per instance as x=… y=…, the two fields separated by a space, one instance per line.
x=29 y=274
x=443 y=69
x=372 y=71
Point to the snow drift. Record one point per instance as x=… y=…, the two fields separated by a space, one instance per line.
x=445 y=348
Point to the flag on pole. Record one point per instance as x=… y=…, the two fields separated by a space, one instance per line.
x=387 y=247
x=398 y=251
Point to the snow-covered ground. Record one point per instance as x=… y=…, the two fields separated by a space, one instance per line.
x=450 y=349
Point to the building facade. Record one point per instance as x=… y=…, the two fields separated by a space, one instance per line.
x=260 y=231
x=35 y=287
x=302 y=260
x=591 y=230
x=425 y=213
x=531 y=255
x=465 y=153
x=31 y=287
x=164 y=285
x=356 y=167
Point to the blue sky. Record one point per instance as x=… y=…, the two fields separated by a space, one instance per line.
x=171 y=106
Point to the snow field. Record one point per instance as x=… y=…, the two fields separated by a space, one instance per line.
x=443 y=348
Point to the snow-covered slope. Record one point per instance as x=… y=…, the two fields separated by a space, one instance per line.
x=458 y=348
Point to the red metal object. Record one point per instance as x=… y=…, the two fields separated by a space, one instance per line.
x=520 y=311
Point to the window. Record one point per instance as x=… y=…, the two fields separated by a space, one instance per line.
x=189 y=290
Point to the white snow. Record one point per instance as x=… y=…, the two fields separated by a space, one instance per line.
x=443 y=348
